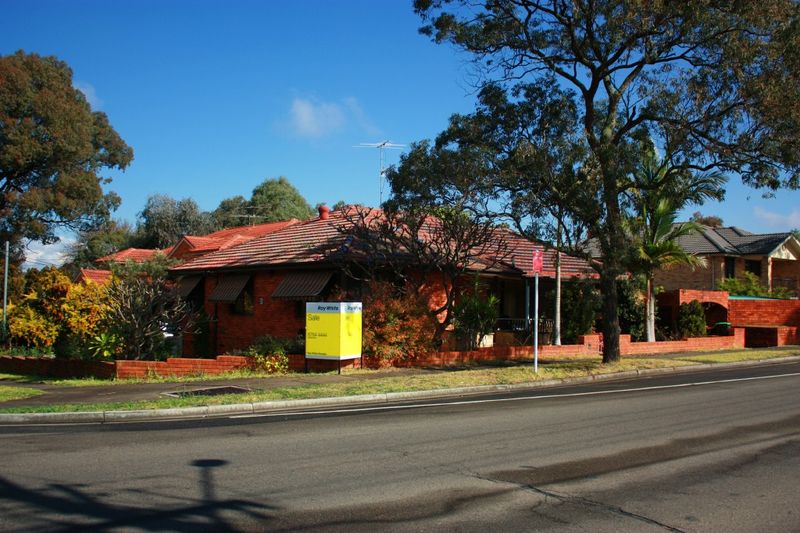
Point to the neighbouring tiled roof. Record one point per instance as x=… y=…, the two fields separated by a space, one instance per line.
x=198 y=245
x=521 y=257
x=307 y=242
x=300 y=242
x=731 y=241
x=137 y=255
x=94 y=275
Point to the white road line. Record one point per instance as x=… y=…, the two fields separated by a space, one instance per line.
x=517 y=399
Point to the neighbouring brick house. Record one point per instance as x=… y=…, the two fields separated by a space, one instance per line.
x=729 y=252
x=260 y=286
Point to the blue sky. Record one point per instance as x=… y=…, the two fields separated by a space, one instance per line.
x=216 y=96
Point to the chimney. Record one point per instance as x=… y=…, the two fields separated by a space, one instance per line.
x=324 y=212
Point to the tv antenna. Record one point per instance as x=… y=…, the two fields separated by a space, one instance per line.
x=382 y=147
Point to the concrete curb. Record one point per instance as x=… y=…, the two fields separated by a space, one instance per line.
x=103 y=417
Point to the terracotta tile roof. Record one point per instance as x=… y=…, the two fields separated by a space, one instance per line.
x=521 y=258
x=137 y=255
x=192 y=246
x=299 y=242
x=307 y=242
x=94 y=275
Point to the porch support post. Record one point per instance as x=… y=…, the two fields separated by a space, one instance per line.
x=527 y=304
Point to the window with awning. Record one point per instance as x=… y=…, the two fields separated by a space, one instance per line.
x=302 y=285
x=187 y=284
x=229 y=287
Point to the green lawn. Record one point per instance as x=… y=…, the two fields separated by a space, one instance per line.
x=16 y=393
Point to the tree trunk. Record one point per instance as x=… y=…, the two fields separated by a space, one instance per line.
x=610 y=320
x=650 y=310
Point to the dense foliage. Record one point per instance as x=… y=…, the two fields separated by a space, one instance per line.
x=691 y=320
x=475 y=316
x=748 y=284
x=397 y=323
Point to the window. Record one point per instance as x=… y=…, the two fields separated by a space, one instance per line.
x=730 y=267
x=753 y=266
x=244 y=302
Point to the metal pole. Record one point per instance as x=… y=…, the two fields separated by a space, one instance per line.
x=536 y=324
x=5 y=295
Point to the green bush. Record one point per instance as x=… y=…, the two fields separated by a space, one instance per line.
x=748 y=284
x=474 y=316
x=631 y=307
x=580 y=305
x=691 y=320
x=270 y=354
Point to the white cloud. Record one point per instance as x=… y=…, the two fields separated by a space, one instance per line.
x=38 y=255
x=311 y=119
x=91 y=95
x=784 y=222
x=361 y=117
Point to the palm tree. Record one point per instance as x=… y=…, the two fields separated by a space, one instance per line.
x=657 y=248
x=662 y=191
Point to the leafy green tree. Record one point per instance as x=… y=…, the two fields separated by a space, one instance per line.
x=277 y=199
x=231 y=212
x=53 y=149
x=164 y=220
x=717 y=85
x=273 y=200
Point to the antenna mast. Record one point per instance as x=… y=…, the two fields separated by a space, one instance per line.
x=382 y=147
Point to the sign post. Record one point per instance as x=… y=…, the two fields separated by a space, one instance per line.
x=537 y=269
x=333 y=331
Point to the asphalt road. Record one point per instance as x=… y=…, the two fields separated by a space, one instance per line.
x=640 y=455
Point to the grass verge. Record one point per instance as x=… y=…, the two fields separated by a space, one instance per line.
x=16 y=393
x=402 y=382
x=398 y=380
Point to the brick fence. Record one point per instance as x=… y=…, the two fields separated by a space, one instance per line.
x=590 y=346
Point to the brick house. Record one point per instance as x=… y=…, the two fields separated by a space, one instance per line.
x=729 y=252
x=260 y=286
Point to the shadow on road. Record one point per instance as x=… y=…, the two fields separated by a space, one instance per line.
x=69 y=508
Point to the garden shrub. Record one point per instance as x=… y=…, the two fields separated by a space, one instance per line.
x=270 y=354
x=631 y=307
x=580 y=304
x=397 y=323
x=474 y=316
x=748 y=284
x=30 y=328
x=691 y=320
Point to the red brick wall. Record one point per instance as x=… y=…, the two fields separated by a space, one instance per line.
x=181 y=367
x=232 y=331
x=57 y=368
x=696 y=344
x=764 y=337
x=764 y=312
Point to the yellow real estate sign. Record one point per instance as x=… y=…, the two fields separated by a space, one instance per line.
x=333 y=330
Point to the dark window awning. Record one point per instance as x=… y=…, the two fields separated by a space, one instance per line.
x=229 y=288
x=187 y=284
x=302 y=285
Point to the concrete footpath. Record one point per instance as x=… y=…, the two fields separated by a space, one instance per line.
x=57 y=395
